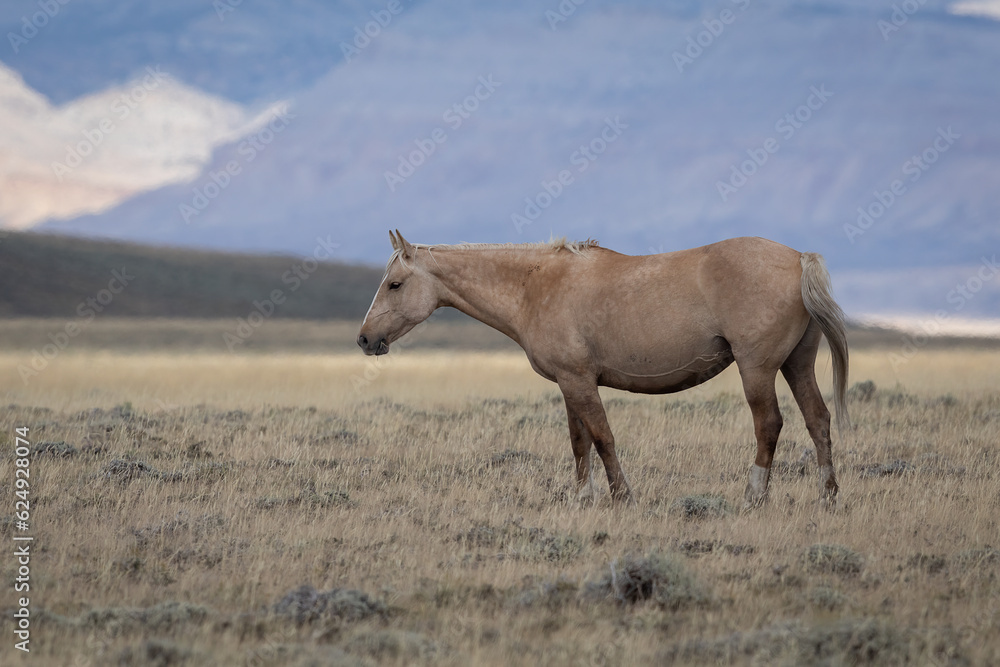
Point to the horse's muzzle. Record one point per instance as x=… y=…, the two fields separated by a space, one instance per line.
x=371 y=347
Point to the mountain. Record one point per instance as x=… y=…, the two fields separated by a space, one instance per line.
x=648 y=125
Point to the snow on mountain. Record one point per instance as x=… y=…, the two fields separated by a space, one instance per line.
x=86 y=156
x=987 y=8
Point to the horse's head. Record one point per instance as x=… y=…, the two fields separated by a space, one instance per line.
x=406 y=297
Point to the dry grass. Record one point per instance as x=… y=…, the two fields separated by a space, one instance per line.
x=214 y=509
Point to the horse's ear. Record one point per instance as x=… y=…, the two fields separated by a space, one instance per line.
x=393 y=241
x=405 y=245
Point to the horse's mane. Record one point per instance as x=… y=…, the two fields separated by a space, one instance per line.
x=575 y=247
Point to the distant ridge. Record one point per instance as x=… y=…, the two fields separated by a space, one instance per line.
x=44 y=275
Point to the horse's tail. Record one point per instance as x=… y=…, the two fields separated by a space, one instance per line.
x=818 y=300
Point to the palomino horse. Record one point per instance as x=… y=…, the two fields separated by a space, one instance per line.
x=587 y=316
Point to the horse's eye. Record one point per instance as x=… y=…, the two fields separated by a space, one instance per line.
x=394 y=285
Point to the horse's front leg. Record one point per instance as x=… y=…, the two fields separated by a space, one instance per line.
x=583 y=445
x=583 y=400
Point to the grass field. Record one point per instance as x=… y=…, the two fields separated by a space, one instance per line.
x=302 y=508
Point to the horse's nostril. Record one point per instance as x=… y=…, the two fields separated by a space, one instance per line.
x=363 y=340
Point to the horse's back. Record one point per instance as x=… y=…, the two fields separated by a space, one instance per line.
x=753 y=288
x=664 y=322
x=708 y=284
x=687 y=310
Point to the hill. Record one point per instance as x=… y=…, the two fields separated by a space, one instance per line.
x=58 y=276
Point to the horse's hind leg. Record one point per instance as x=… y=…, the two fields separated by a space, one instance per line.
x=583 y=445
x=758 y=385
x=800 y=373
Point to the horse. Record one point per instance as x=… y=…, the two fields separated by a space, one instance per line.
x=587 y=316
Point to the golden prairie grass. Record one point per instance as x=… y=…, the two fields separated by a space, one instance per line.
x=187 y=498
x=153 y=380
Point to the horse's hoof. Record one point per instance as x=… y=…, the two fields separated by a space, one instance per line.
x=752 y=501
x=750 y=506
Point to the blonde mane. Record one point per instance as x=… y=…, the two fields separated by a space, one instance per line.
x=575 y=247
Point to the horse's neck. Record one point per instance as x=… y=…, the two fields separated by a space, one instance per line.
x=488 y=285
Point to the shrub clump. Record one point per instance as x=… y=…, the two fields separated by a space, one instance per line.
x=850 y=641
x=829 y=599
x=553 y=595
x=394 y=645
x=124 y=471
x=929 y=563
x=156 y=652
x=307 y=605
x=893 y=468
x=861 y=391
x=61 y=449
x=512 y=456
x=657 y=578
x=832 y=559
x=517 y=542
x=700 y=506
x=973 y=558
x=165 y=617
x=695 y=548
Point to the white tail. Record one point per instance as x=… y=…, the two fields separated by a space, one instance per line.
x=818 y=299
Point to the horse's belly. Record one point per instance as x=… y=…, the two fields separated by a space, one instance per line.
x=645 y=374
